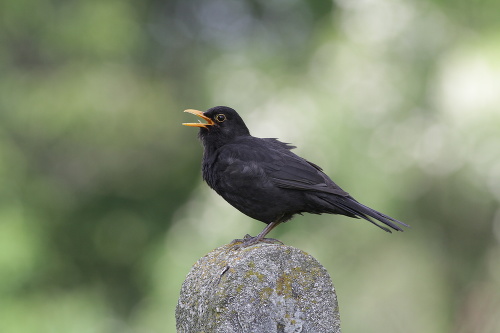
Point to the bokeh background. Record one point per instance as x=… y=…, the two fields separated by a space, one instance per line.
x=102 y=206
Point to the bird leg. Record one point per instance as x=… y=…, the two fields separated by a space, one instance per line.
x=249 y=240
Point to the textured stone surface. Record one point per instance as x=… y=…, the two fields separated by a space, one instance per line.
x=263 y=288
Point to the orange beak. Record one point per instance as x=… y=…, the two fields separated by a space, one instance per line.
x=202 y=116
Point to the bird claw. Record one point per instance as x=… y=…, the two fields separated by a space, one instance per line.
x=249 y=241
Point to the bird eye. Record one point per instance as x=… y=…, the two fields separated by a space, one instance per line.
x=220 y=117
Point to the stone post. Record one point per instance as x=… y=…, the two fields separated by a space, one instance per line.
x=264 y=288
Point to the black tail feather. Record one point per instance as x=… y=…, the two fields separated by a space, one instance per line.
x=358 y=210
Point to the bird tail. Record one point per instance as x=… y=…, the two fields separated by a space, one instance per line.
x=355 y=209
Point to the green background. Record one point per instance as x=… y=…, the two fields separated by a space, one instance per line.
x=102 y=206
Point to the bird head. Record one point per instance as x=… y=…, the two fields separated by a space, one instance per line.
x=223 y=124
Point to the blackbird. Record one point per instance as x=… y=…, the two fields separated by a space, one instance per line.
x=264 y=179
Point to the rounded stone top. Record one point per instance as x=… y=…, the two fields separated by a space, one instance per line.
x=262 y=288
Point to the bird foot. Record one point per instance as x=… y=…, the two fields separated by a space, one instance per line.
x=249 y=241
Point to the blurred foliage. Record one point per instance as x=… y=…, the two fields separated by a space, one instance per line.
x=102 y=209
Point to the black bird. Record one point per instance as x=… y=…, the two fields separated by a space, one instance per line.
x=264 y=179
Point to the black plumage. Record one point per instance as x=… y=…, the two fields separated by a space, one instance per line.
x=264 y=179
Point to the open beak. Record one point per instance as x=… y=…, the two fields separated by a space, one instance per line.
x=202 y=116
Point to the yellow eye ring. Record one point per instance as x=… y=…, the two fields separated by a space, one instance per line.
x=220 y=117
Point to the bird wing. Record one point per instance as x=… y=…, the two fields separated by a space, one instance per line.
x=286 y=169
x=299 y=174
